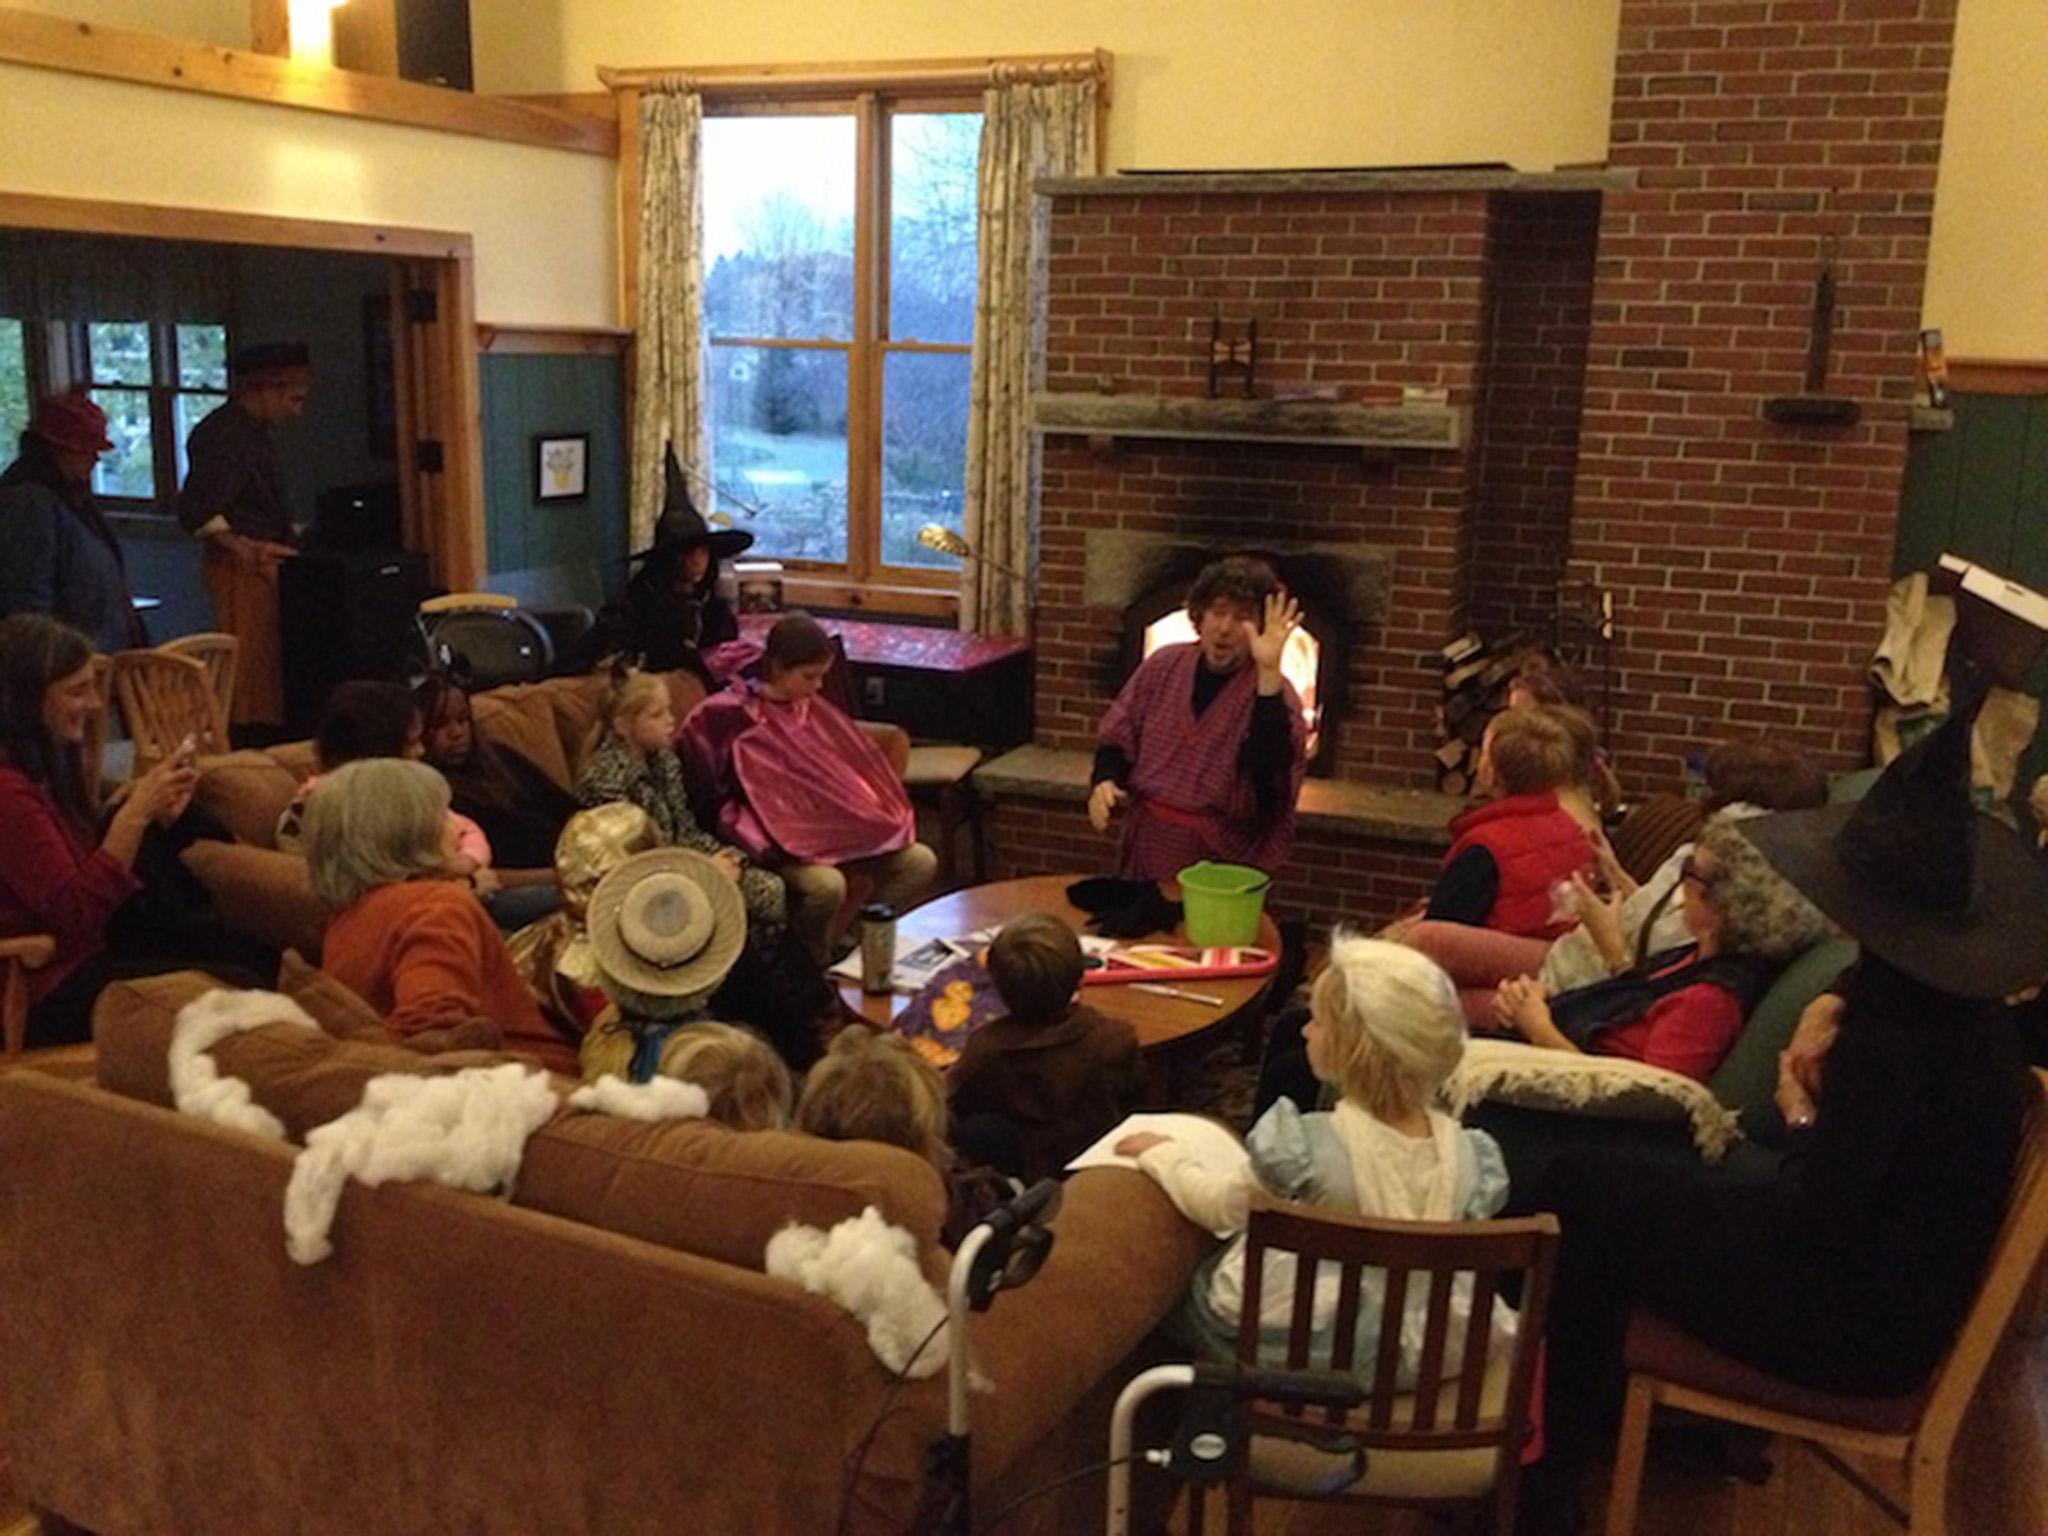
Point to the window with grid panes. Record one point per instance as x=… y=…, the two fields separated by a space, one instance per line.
x=840 y=269
x=155 y=381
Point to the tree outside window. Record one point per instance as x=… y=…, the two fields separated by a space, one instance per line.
x=839 y=330
x=155 y=380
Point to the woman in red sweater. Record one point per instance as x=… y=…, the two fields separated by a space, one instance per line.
x=1682 y=1010
x=406 y=934
x=63 y=872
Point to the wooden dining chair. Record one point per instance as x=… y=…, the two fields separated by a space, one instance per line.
x=20 y=956
x=165 y=698
x=1450 y=1440
x=217 y=653
x=1668 y=1366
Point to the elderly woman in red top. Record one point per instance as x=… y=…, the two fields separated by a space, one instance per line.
x=1205 y=743
x=414 y=942
x=1682 y=1010
x=62 y=873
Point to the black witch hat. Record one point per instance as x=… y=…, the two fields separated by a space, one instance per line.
x=1918 y=876
x=681 y=526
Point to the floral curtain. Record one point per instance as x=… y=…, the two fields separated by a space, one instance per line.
x=1028 y=130
x=668 y=374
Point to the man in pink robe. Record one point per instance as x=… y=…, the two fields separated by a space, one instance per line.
x=1204 y=748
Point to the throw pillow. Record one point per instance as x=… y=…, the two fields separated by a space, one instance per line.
x=336 y=1007
x=1612 y=1087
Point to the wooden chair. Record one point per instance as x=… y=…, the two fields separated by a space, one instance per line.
x=1668 y=1366
x=217 y=653
x=467 y=602
x=19 y=956
x=1453 y=1441
x=943 y=774
x=165 y=698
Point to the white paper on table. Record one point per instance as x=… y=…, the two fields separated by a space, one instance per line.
x=918 y=960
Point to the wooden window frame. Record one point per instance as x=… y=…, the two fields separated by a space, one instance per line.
x=862 y=579
x=72 y=340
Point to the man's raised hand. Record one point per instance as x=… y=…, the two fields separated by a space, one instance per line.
x=1269 y=639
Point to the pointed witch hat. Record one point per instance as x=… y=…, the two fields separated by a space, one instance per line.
x=681 y=526
x=1918 y=876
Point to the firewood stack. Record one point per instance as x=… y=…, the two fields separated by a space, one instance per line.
x=1476 y=679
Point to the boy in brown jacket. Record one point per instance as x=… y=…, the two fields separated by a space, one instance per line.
x=1039 y=1084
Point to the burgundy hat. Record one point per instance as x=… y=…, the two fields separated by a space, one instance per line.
x=71 y=422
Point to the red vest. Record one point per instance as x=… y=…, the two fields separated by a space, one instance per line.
x=1534 y=843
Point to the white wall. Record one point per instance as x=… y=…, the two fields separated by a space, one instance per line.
x=542 y=219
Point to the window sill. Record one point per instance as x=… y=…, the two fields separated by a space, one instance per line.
x=883 y=599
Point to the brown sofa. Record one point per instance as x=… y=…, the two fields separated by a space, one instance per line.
x=600 y=1354
x=264 y=893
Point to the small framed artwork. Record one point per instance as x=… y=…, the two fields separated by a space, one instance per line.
x=561 y=466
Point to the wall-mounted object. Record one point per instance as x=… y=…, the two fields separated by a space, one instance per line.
x=1817 y=408
x=1233 y=358
x=561 y=466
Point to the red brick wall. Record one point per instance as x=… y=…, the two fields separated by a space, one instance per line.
x=1370 y=293
x=1749 y=561
x=1330 y=879
x=1540 y=262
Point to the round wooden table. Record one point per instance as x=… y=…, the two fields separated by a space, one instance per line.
x=1166 y=1026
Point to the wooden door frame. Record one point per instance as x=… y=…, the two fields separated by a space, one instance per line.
x=449 y=525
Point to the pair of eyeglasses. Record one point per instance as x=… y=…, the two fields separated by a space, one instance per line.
x=1690 y=869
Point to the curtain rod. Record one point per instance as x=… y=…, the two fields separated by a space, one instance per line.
x=844 y=77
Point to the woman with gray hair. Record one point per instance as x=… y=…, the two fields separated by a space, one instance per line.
x=1682 y=1009
x=406 y=932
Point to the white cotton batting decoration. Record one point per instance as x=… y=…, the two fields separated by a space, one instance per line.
x=197 y=1085
x=660 y=1098
x=467 y=1131
x=1610 y=1087
x=869 y=1267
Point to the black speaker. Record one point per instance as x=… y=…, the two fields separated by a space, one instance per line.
x=345 y=616
x=433 y=43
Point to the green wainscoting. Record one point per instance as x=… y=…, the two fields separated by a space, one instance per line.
x=555 y=551
x=1980 y=490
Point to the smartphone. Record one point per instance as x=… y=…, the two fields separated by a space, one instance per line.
x=187 y=753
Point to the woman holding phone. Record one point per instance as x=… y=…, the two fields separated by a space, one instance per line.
x=75 y=870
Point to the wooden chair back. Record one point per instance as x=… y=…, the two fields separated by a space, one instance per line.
x=217 y=653
x=93 y=750
x=464 y=602
x=2014 y=1258
x=1446 y=1408
x=165 y=698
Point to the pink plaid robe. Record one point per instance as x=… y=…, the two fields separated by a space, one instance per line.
x=1189 y=801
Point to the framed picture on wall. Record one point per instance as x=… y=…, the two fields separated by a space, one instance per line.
x=561 y=466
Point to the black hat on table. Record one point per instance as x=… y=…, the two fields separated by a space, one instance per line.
x=681 y=526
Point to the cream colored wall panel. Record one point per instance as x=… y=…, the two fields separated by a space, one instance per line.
x=542 y=219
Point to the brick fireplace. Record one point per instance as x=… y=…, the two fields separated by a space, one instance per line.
x=1482 y=391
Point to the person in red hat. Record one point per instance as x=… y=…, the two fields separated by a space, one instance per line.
x=234 y=499
x=57 y=554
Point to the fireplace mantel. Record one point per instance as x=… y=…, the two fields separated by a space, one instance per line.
x=1405 y=427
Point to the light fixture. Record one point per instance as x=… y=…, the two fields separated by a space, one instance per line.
x=943 y=539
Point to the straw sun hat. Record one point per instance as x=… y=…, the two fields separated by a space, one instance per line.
x=667 y=924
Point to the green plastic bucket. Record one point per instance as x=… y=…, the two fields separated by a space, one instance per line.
x=1223 y=902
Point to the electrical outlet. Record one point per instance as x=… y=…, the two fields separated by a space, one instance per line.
x=873 y=692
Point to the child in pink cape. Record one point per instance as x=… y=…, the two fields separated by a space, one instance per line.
x=784 y=774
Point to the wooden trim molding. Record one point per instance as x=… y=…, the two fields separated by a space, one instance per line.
x=83 y=216
x=558 y=341
x=111 y=53
x=1997 y=376
x=852 y=76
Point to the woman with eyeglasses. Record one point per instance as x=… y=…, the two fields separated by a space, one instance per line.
x=1682 y=1009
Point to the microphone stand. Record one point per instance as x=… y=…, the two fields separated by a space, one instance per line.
x=1004 y=1252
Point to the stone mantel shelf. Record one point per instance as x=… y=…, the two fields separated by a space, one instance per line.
x=1407 y=427
x=1238 y=183
x=1369 y=810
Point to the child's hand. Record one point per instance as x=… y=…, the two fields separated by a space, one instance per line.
x=1520 y=1004
x=1138 y=1143
x=1602 y=917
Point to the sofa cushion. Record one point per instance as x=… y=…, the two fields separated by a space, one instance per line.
x=245 y=792
x=304 y=1077
x=520 y=718
x=261 y=893
x=706 y=1189
x=691 y=1185
x=336 y=1007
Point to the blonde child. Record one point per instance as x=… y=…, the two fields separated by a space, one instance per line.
x=1385 y=1030
x=749 y=1087
x=874 y=1087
